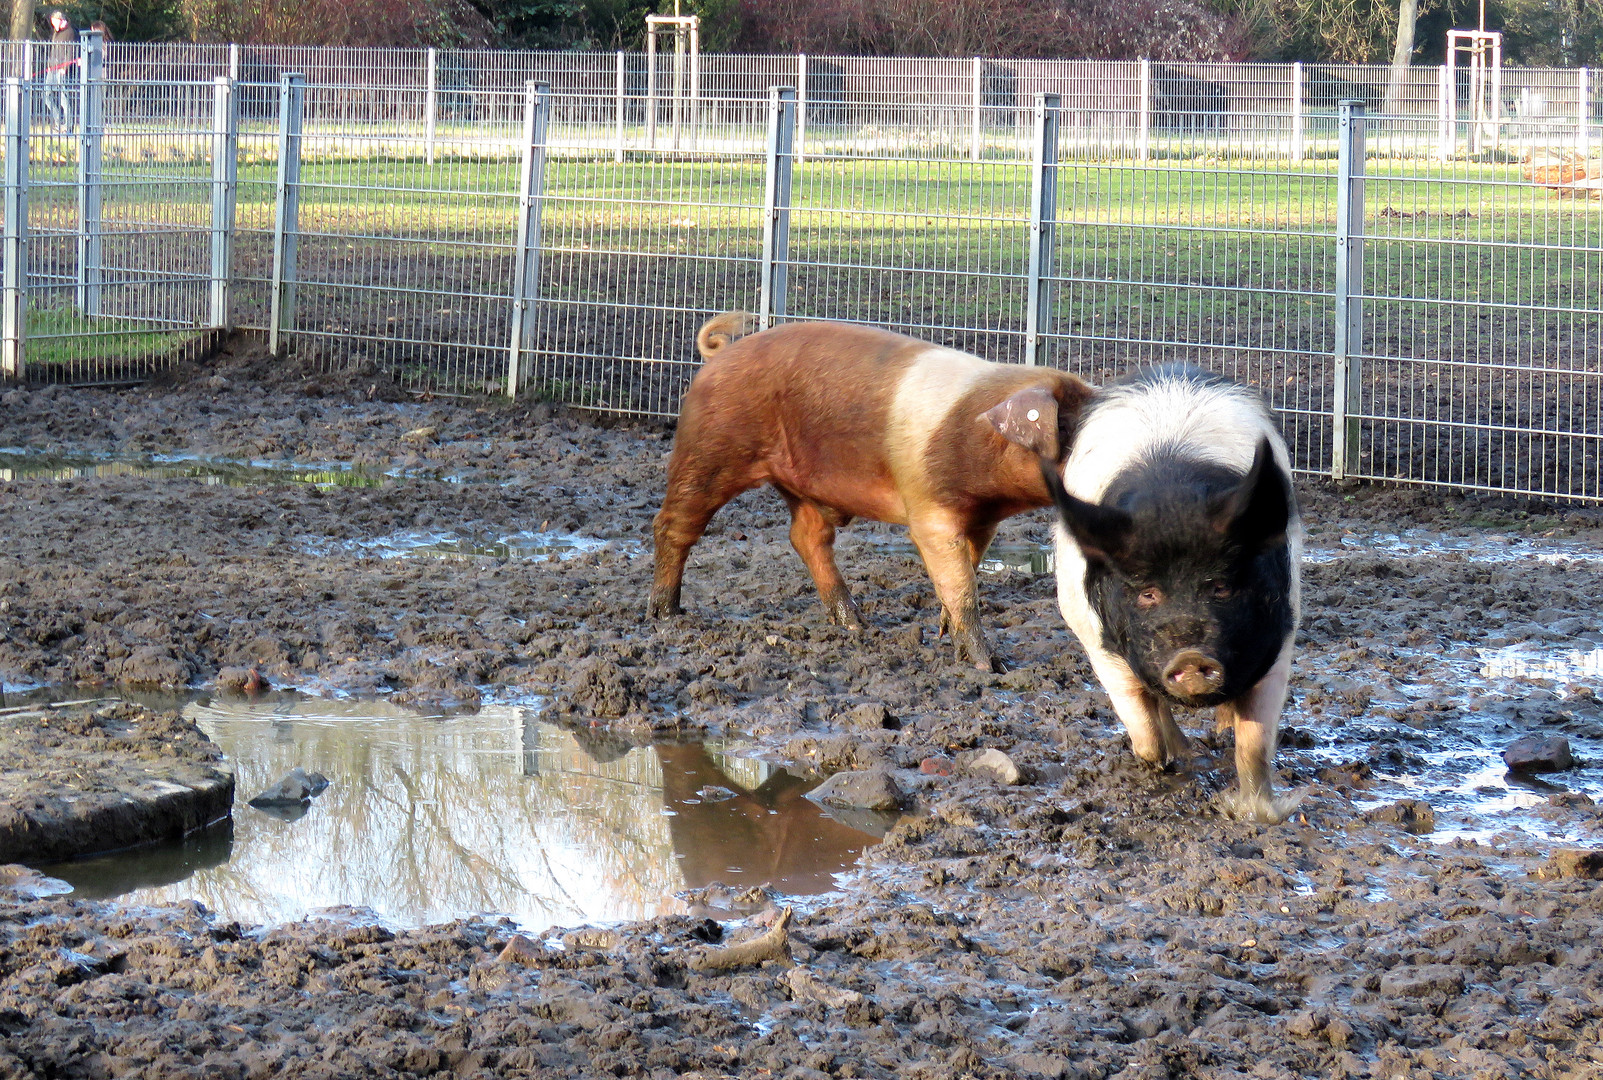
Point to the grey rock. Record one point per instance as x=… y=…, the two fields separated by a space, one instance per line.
x=1536 y=754
x=868 y=789
x=297 y=787
x=991 y=762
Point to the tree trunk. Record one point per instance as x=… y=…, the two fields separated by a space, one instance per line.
x=1407 y=15
x=21 y=20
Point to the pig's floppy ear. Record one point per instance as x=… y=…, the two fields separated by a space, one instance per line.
x=1101 y=531
x=1029 y=419
x=1257 y=512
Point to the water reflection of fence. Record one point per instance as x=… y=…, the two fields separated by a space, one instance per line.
x=1413 y=310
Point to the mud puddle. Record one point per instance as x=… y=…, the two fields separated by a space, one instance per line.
x=1438 y=732
x=21 y=464
x=537 y=546
x=428 y=818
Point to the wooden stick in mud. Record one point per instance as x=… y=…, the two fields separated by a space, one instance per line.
x=770 y=945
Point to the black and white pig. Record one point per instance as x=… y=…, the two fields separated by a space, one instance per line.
x=1177 y=564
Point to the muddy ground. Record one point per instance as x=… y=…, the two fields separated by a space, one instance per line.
x=1098 y=919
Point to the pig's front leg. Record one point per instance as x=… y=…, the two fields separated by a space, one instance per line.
x=1256 y=718
x=1154 y=736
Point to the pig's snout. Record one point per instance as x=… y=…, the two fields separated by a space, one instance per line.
x=1193 y=674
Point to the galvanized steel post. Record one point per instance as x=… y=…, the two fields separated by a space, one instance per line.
x=801 y=105
x=91 y=111
x=617 y=152
x=1446 y=110
x=1043 y=219
x=14 y=246
x=978 y=94
x=431 y=104
x=1144 y=123
x=1298 y=120
x=776 y=203
x=286 y=210
x=526 y=256
x=1349 y=313
x=1583 y=113
x=225 y=187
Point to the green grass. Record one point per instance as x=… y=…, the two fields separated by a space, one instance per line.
x=58 y=336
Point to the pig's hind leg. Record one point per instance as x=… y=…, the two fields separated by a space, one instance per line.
x=697 y=489
x=812 y=534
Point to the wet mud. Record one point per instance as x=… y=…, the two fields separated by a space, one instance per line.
x=1095 y=919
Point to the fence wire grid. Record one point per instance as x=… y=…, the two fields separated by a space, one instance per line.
x=1411 y=280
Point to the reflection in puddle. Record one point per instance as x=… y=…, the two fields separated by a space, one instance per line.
x=1024 y=558
x=29 y=465
x=1478 y=548
x=1532 y=662
x=428 y=818
x=537 y=546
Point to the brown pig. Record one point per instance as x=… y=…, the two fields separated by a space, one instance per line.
x=851 y=421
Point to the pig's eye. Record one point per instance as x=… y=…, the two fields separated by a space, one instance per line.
x=1149 y=597
x=1221 y=590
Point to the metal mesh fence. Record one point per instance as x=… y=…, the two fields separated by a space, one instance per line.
x=1187 y=212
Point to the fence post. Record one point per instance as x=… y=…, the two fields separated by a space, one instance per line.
x=91 y=100
x=1349 y=338
x=233 y=62
x=651 y=90
x=526 y=256
x=431 y=104
x=286 y=210
x=776 y=203
x=1144 y=122
x=617 y=152
x=1583 y=113
x=801 y=104
x=979 y=90
x=1043 y=220
x=1446 y=108
x=14 y=247
x=225 y=187
x=1299 y=136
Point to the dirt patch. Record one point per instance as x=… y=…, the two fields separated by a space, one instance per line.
x=80 y=780
x=1097 y=919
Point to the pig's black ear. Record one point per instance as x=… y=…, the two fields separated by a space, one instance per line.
x=1102 y=532
x=1257 y=512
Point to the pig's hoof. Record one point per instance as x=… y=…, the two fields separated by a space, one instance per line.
x=1261 y=807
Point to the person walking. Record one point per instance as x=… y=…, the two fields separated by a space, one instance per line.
x=62 y=57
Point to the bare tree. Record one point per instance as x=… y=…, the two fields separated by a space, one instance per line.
x=1407 y=15
x=21 y=20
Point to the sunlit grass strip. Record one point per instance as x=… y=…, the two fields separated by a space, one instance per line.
x=63 y=336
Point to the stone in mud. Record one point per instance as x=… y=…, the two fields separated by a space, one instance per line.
x=936 y=765
x=1583 y=863
x=1418 y=980
x=242 y=680
x=1410 y=815
x=868 y=789
x=1536 y=754
x=990 y=762
x=297 y=786
x=522 y=950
